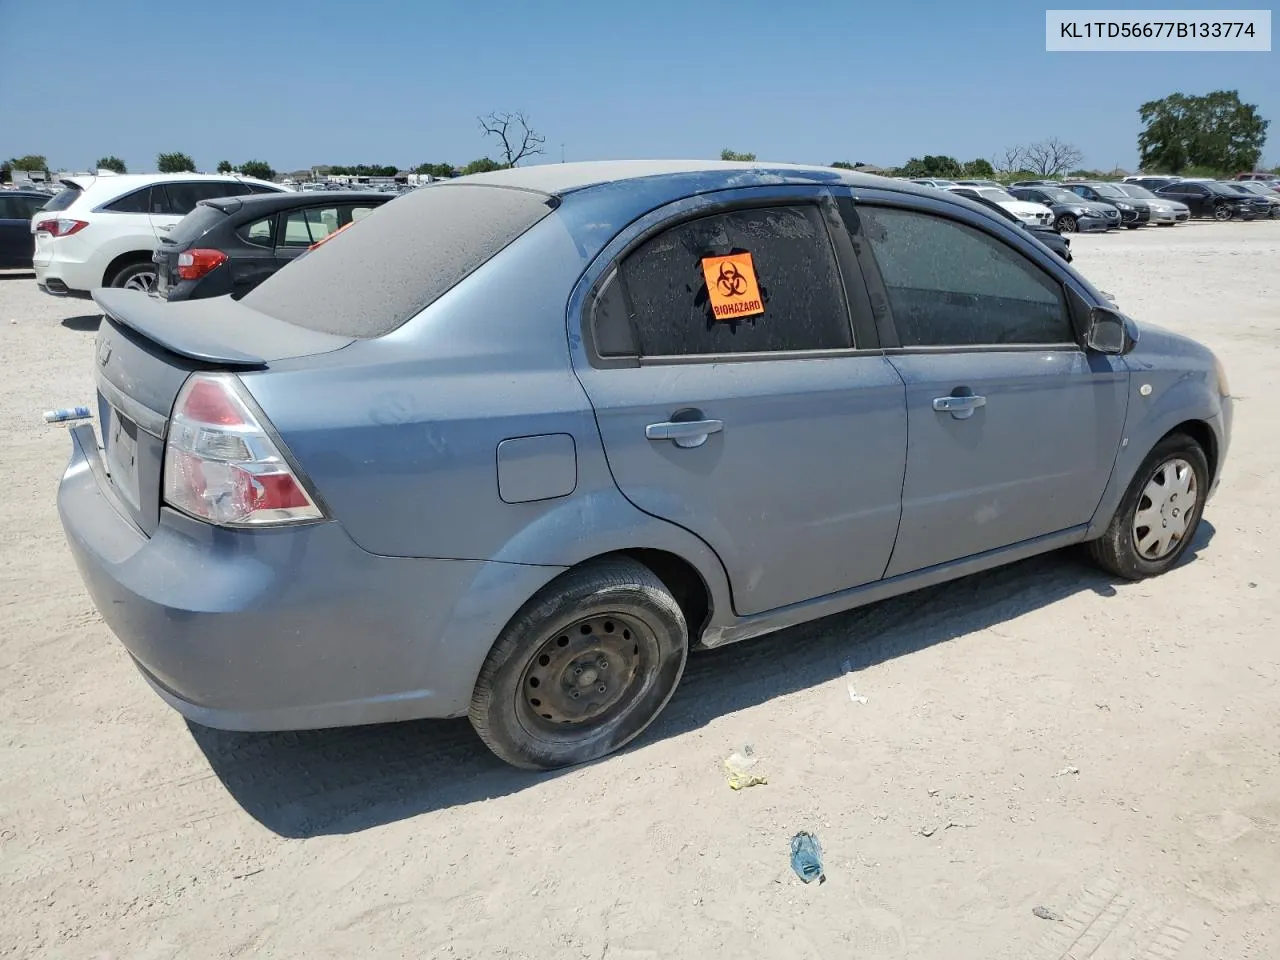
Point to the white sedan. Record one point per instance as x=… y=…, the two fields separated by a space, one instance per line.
x=1035 y=214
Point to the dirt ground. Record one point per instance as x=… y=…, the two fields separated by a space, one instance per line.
x=1039 y=736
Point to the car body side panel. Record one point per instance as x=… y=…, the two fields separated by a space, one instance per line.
x=1183 y=388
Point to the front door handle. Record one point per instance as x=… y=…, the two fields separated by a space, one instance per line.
x=684 y=433
x=961 y=407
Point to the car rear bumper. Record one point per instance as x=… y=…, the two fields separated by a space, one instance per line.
x=282 y=629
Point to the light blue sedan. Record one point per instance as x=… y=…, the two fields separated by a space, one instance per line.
x=514 y=444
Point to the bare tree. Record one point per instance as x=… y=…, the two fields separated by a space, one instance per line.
x=517 y=138
x=1009 y=160
x=1052 y=157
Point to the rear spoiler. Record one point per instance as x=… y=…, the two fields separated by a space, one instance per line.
x=218 y=330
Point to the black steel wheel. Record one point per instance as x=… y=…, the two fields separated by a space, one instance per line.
x=582 y=668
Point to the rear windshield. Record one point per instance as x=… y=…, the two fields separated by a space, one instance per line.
x=64 y=198
x=196 y=224
x=397 y=260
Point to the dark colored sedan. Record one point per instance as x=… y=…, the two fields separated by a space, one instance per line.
x=1254 y=188
x=17 y=244
x=1210 y=199
x=1071 y=213
x=230 y=245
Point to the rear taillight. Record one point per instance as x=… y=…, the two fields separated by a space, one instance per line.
x=194 y=264
x=221 y=465
x=60 y=227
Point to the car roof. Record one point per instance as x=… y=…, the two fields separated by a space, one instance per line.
x=271 y=202
x=122 y=183
x=559 y=179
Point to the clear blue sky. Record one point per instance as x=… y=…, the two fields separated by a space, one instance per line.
x=397 y=82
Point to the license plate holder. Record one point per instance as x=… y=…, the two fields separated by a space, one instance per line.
x=121 y=437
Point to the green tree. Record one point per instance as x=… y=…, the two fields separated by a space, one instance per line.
x=224 y=166
x=259 y=169
x=483 y=165
x=175 y=163
x=727 y=154
x=838 y=164
x=112 y=162
x=940 y=166
x=1216 y=130
x=32 y=161
x=979 y=169
x=436 y=169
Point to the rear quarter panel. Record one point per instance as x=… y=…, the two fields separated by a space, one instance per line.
x=399 y=435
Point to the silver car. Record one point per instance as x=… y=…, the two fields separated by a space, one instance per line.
x=513 y=445
x=1165 y=211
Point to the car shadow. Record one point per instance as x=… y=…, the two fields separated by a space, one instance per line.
x=17 y=274
x=319 y=782
x=84 y=324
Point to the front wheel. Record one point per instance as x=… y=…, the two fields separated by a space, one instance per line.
x=1067 y=224
x=1222 y=213
x=1158 y=517
x=582 y=668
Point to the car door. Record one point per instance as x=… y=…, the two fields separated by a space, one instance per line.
x=1192 y=194
x=253 y=256
x=302 y=227
x=1012 y=427
x=735 y=399
x=16 y=241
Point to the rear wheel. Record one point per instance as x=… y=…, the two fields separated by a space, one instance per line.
x=1067 y=224
x=582 y=668
x=1157 y=519
x=135 y=276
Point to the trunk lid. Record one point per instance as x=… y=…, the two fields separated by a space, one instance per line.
x=144 y=351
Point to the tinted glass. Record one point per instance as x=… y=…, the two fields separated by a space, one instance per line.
x=370 y=281
x=260 y=233
x=8 y=208
x=260 y=188
x=196 y=224
x=183 y=196
x=794 y=266
x=27 y=206
x=63 y=198
x=952 y=285
x=136 y=202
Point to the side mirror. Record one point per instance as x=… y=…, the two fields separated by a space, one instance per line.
x=1109 y=332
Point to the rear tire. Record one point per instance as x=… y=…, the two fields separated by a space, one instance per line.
x=1162 y=492
x=135 y=276
x=583 y=667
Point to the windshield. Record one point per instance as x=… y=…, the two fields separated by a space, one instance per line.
x=1133 y=190
x=1109 y=190
x=1060 y=196
x=999 y=196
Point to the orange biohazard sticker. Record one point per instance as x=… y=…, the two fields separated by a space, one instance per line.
x=732 y=286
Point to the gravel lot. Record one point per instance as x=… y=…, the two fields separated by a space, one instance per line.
x=1039 y=736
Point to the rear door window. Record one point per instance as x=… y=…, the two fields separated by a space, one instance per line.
x=139 y=201
x=183 y=196
x=949 y=284
x=744 y=281
x=260 y=233
x=371 y=281
x=196 y=224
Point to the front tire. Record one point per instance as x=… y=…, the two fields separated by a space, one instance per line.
x=135 y=276
x=583 y=667
x=1067 y=224
x=1158 y=516
x=1222 y=213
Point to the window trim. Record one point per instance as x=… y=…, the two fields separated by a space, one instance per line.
x=1074 y=303
x=857 y=302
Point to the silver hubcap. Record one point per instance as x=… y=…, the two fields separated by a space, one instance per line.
x=1167 y=504
x=141 y=281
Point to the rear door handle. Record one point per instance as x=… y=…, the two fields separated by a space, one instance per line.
x=959 y=407
x=684 y=433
